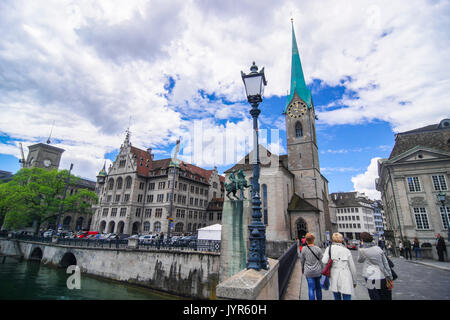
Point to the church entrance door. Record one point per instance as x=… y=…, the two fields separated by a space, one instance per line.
x=302 y=228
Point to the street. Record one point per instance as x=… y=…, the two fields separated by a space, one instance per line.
x=415 y=282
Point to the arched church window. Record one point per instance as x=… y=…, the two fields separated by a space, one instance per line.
x=298 y=130
x=111 y=184
x=128 y=182
x=119 y=183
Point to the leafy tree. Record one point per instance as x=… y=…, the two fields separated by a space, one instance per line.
x=36 y=195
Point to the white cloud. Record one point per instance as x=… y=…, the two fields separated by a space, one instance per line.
x=365 y=182
x=90 y=65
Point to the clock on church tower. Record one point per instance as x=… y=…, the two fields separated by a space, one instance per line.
x=43 y=156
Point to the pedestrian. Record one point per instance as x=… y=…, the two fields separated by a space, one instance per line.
x=407 y=248
x=389 y=248
x=400 y=247
x=376 y=271
x=381 y=244
x=416 y=247
x=311 y=261
x=343 y=271
x=440 y=247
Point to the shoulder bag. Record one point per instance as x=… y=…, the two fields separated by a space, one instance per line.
x=389 y=283
x=325 y=278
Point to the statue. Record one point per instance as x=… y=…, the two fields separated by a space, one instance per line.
x=238 y=182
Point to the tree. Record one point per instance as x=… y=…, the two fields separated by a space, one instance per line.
x=36 y=194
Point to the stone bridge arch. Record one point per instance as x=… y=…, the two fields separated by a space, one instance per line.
x=68 y=259
x=36 y=254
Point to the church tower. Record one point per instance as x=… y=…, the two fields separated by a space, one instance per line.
x=303 y=156
x=43 y=156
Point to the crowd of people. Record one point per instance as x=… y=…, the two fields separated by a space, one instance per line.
x=377 y=268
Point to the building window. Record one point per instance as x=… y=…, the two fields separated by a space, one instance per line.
x=148 y=213
x=421 y=218
x=105 y=212
x=161 y=185
x=189 y=227
x=439 y=183
x=151 y=186
x=108 y=199
x=140 y=197
x=150 y=198
x=117 y=197
x=122 y=163
x=126 y=197
x=413 y=184
x=190 y=215
x=119 y=183
x=160 y=198
x=113 y=212
x=219 y=216
x=215 y=185
x=445 y=210
x=123 y=212
x=146 y=226
x=158 y=213
x=179 y=227
x=141 y=185
x=111 y=184
x=157 y=226
x=138 y=212
x=298 y=130
x=211 y=216
x=128 y=181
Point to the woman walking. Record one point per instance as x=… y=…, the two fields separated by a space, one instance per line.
x=400 y=247
x=310 y=259
x=416 y=247
x=376 y=270
x=343 y=271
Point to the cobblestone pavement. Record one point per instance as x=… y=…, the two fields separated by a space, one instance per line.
x=415 y=282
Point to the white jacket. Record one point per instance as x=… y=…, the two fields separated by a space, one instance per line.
x=343 y=271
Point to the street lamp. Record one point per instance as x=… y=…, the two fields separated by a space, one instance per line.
x=254 y=83
x=441 y=198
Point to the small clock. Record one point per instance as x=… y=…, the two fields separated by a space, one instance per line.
x=296 y=109
x=47 y=163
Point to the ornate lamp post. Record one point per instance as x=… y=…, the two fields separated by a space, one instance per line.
x=254 y=83
x=441 y=198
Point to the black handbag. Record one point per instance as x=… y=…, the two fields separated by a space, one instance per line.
x=391 y=266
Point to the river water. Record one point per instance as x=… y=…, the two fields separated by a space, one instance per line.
x=30 y=280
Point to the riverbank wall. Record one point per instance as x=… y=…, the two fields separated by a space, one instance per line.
x=186 y=273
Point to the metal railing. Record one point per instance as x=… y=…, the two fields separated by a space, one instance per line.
x=200 y=245
x=286 y=265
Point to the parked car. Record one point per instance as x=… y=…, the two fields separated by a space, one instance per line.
x=175 y=239
x=48 y=233
x=145 y=238
x=353 y=245
x=87 y=233
x=186 y=240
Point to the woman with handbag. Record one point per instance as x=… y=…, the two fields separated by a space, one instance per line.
x=310 y=259
x=376 y=269
x=343 y=271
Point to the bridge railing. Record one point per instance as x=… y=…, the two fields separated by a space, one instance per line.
x=199 y=245
x=286 y=265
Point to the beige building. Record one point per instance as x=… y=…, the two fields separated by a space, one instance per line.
x=354 y=214
x=135 y=195
x=417 y=169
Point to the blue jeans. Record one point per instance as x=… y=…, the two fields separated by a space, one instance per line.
x=339 y=296
x=417 y=252
x=314 y=289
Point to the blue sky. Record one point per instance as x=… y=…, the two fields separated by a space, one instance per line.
x=167 y=68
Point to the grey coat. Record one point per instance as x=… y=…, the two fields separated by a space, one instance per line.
x=375 y=262
x=311 y=266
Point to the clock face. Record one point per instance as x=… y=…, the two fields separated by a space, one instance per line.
x=296 y=109
x=47 y=163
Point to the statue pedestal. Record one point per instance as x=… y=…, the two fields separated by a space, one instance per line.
x=236 y=216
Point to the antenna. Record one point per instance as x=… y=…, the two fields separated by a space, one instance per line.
x=48 y=140
x=22 y=161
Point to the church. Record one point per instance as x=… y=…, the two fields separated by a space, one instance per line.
x=294 y=193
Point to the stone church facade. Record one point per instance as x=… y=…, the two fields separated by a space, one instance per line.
x=135 y=195
x=294 y=193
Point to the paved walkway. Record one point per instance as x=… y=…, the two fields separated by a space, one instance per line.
x=432 y=263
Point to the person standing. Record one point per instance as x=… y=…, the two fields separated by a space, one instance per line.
x=311 y=261
x=440 y=247
x=388 y=248
x=400 y=248
x=416 y=248
x=381 y=244
x=376 y=270
x=407 y=246
x=343 y=271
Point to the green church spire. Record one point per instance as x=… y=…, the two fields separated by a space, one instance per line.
x=298 y=83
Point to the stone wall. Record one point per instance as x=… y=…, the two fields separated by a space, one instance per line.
x=275 y=249
x=185 y=273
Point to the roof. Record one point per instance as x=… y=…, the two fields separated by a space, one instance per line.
x=349 y=199
x=298 y=84
x=299 y=204
x=143 y=161
x=435 y=136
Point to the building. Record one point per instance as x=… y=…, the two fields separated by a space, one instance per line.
x=5 y=176
x=294 y=193
x=416 y=171
x=48 y=157
x=354 y=213
x=135 y=195
x=379 y=219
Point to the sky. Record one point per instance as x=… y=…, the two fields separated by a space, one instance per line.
x=171 y=69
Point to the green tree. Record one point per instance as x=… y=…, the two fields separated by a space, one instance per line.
x=36 y=194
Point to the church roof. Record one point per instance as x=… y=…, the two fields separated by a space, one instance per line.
x=298 y=84
x=299 y=204
x=435 y=136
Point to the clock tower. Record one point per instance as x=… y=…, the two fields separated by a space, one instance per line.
x=303 y=155
x=43 y=156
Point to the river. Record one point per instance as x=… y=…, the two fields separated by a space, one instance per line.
x=30 y=280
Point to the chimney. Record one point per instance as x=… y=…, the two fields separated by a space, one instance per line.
x=149 y=150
